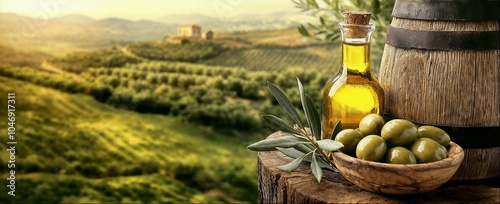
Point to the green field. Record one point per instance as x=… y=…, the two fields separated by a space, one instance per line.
x=73 y=148
x=276 y=50
x=274 y=58
x=134 y=124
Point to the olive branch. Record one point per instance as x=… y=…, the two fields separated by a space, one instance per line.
x=296 y=142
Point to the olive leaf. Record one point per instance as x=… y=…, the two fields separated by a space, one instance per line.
x=322 y=162
x=332 y=36
x=315 y=27
x=304 y=148
x=294 y=164
x=313 y=3
x=330 y=145
x=285 y=103
x=312 y=114
x=303 y=31
x=294 y=153
x=322 y=20
x=336 y=129
x=279 y=124
x=271 y=144
x=316 y=170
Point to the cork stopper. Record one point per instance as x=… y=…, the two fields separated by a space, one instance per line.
x=356 y=18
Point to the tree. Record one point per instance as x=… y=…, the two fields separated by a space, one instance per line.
x=329 y=14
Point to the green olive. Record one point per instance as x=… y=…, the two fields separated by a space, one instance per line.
x=371 y=124
x=371 y=148
x=444 y=150
x=399 y=132
x=400 y=155
x=350 y=139
x=435 y=133
x=427 y=150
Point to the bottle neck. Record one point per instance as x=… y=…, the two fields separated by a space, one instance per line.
x=356 y=57
x=356 y=47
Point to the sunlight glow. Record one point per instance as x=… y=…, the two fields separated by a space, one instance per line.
x=137 y=9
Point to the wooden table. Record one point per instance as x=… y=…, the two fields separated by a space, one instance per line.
x=299 y=186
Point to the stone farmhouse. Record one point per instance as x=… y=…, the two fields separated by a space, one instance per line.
x=194 y=31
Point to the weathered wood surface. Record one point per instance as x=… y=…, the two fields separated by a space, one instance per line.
x=277 y=186
x=479 y=164
x=444 y=87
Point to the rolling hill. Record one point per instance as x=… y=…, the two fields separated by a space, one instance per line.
x=72 y=148
x=71 y=33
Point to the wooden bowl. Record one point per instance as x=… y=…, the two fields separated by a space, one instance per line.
x=399 y=178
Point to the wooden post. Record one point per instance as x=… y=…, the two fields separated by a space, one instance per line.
x=299 y=186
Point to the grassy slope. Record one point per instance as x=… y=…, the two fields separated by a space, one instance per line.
x=9 y=55
x=75 y=139
x=50 y=188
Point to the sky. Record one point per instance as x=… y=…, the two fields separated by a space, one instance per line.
x=142 y=9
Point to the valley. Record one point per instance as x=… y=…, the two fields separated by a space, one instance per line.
x=103 y=118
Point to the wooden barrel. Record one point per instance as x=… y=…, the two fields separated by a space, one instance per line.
x=441 y=66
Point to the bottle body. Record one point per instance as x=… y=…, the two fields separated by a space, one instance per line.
x=354 y=92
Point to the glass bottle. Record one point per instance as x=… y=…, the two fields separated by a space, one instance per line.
x=354 y=92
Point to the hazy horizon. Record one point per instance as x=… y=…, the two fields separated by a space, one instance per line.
x=137 y=10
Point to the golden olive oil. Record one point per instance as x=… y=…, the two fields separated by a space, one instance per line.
x=354 y=93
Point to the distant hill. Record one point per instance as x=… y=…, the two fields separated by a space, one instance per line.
x=73 y=18
x=122 y=29
x=79 y=27
x=193 y=18
x=74 y=32
x=11 y=22
x=242 y=22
